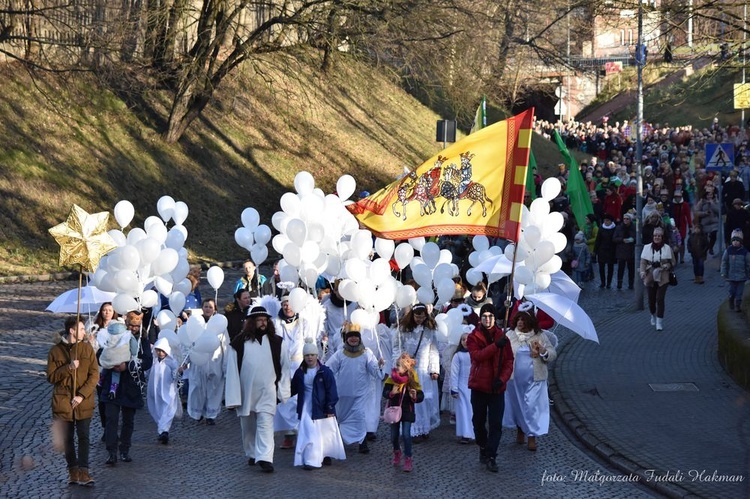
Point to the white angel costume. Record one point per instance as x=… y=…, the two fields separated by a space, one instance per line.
x=163 y=402
x=459 y=383
x=354 y=372
x=335 y=316
x=206 y=388
x=294 y=333
x=374 y=340
x=422 y=346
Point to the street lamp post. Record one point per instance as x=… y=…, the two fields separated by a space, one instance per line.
x=640 y=61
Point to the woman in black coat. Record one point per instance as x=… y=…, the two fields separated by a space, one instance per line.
x=604 y=249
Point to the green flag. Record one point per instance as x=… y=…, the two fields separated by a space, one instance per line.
x=580 y=202
x=480 y=118
x=530 y=185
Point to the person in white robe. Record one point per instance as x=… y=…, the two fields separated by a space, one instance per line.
x=526 y=397
x=337 y=312
x=206 y=388
x=416 y=337
x=257 y=376
x=374 y=339
x=163 y=402
x=319 y=438
x=354 y=367
x=293 y=329
x=459 y=389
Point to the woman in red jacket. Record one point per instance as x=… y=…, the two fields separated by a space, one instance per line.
x=491 y=367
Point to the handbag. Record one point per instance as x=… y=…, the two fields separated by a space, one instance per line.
x=574 y=263
x=392 y=413
x=672 y=278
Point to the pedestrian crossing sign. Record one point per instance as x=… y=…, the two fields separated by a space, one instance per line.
x=719 y=157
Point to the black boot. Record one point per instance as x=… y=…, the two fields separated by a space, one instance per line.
x=112 y=459
x=483 y=459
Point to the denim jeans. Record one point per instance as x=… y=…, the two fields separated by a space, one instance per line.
x=488 y=407
x=736 y=288
x=698 y=266
x=81 y=428
x=405 y=433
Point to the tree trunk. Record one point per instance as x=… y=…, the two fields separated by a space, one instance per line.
x=186 y=107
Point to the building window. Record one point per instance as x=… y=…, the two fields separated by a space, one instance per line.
x=622 y=37
x=630 y=37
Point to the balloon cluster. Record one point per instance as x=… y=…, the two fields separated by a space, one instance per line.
x=252 y=236
x=150 y=257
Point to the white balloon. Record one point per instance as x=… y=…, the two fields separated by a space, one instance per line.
x=304 y=183
x=170 y=336
x=279 y=242
x=442 y=328
x=360 y=317
x=485 y=255
x=405 y=296
x=180 y=213
x=551 y=188
x=129 y=258
x=423 y=275
x=362 y=244
x=474 y=258
x=124 y=212
x=523 y=275
x=288 y=273
x=404 y=253
x=118 y=237
x=296 y=231
x=356 y=269
x=217 y=323
x=425 y=295
x=199 y=359
x=250 y=218
x=164 y=317
x=315 y=231
x=258 y=253
x=165 y=207
x=345 y=186
x=195 y=326
x=123 y=303
x=184 y=287
x=157 y=232
x=542 y=281
x=152 y=220
x=290 y=204
x=135 y=235
x=298 y=299
x=384 y=247
x=215 y=277
x=333 y=265
x=442 y=271
x=543 y=252
x=149 y=298
x=292 y=255
x=532 y=235
x=243 y=237
x=308 y=274
x=417 y=243
x=164 y=284
x=348 y=289
x=312 y=207
x=277 y=220
x=559 y=241
x=552 y=266
x=430 y=254
x=181 y=270
x=539 y=209
x=176 y=302
x=207 y=343
x=445 y=256
x=262 y=234
x=379 y=271
x=445 y=289
x=473 y=276
x=480 y=243
x=553 y=223
x=165 y=262
x=126 y=281
x=365 y=292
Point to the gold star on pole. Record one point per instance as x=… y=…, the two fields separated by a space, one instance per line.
x=83 y=238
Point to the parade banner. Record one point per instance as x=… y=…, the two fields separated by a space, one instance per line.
x=475 y=186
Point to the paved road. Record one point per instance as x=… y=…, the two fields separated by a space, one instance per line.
x=203 y=461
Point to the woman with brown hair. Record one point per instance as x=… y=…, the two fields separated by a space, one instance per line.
x=416 y=336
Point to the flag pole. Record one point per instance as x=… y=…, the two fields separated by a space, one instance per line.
x=509 y=294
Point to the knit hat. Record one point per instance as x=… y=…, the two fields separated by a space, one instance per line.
x=487 y=308
x=163 y=344
x=737 y=234
x=737 y=201
x=579 y=236
x=116 y=327
x=309 y=348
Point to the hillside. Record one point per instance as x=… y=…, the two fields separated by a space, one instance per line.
x=66 y=140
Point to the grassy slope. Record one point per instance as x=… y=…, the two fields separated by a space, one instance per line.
x=68 y=141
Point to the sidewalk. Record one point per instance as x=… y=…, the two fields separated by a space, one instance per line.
x=692 y=438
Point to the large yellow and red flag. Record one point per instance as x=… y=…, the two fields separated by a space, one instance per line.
x=476 y=186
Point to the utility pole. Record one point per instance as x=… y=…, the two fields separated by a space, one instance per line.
x=640 y=61
x=744 y=38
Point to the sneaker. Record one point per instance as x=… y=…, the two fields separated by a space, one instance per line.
x=84 y=478
x=210 y=422
x=396 y=458
x=164 y=437
x=492 y=465
x=452 y=419
x=265 y=466
x=363 y=448
x=288 y=443
x=125 y=457
x=327 y=461
x=112 y=459
x=73 y=475
x=408 y=465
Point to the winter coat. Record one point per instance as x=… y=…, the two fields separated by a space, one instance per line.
x=707 y=214
x=129 y=392
x=624 y=250
x=539 y=363
x=407 y=404
x=698 y=245
x=661 y=260
x=324 y=393
x=735 y=264
x=580 y=252
x=604 y=247
x=86 y=377
x=488 y=361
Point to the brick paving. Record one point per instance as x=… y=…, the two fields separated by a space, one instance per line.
x=622 y=419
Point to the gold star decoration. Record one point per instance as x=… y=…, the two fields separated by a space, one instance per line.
x=83 y=238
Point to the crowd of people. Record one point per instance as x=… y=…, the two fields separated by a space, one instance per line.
x=320 y=380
